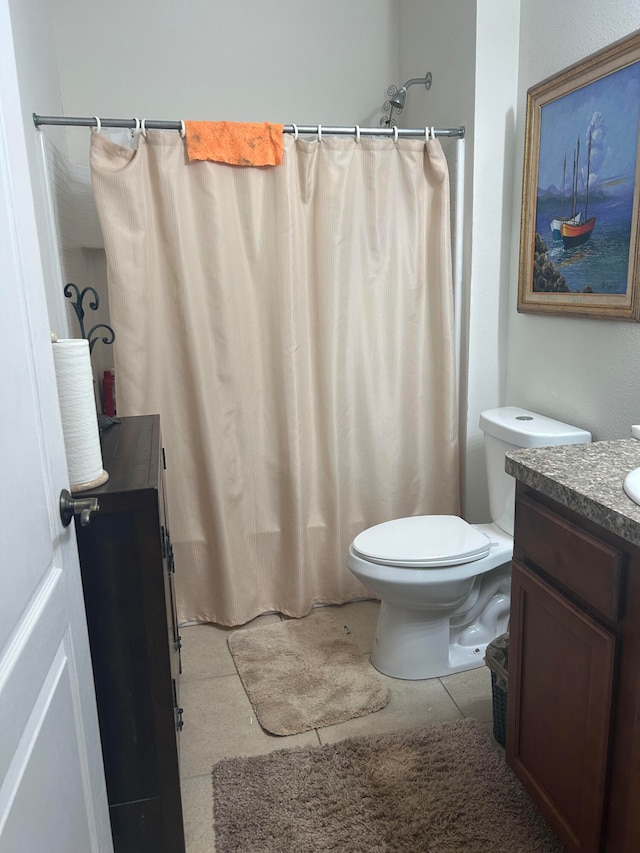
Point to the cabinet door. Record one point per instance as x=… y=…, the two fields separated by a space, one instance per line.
x=559 y=699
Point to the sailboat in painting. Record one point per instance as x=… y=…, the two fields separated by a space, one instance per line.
x=577 y=233
x=557 y=221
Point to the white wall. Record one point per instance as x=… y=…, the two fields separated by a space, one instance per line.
x=471 y=48
x=32 y=28
x=440 y=38
x=497 y=29
x=582 y=371
x=247 y=60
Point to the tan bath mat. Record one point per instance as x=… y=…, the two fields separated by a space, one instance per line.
x=441 y=789
x=304 y=674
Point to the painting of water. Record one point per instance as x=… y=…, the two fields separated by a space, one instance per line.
x=600 y=264
x=587 y=168
x=580 y=240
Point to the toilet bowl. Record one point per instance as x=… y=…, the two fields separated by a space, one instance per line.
x=432 y=615
x=444 y=584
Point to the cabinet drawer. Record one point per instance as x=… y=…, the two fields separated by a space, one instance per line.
x=582 y=564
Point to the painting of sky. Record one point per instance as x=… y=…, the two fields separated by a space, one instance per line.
x=609 y=108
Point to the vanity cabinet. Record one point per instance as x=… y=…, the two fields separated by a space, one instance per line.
x=127 y=575
x=573 y=715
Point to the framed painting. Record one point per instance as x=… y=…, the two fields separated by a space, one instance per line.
x=579 y=237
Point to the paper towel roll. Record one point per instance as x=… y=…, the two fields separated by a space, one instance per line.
x=78 y=410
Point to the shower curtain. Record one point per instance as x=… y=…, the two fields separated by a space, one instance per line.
x=293 y=327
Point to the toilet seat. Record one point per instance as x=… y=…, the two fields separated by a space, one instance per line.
x=422 y=541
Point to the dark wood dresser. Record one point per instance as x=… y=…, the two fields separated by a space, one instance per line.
x=126 y=561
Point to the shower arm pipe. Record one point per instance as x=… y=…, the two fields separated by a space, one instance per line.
x=329 y=130
x=425 y=80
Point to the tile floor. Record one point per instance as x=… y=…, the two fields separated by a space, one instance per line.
x=219 y=720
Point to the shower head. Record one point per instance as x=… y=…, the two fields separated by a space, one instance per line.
x=397 y=99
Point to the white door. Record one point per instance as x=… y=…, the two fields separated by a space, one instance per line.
x=52 y=790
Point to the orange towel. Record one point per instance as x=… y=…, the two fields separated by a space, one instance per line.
x=239 y=144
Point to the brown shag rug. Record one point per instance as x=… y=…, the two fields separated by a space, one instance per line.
x=441 y=789
x=305 y=673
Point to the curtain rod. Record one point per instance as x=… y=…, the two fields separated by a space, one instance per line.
x=73 y=121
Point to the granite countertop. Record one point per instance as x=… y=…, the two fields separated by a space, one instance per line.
x=586 y=478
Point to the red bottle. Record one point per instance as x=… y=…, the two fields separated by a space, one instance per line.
x=108 y=394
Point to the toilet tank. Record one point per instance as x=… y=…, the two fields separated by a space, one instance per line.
x=510 y=428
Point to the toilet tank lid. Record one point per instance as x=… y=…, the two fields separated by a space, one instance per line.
x=523 y=428
x=422 y=541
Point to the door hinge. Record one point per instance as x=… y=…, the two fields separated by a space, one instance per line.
x=177 y=712
x=179 y=721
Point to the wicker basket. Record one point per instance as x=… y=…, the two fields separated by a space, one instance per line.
x=497 y=659
x=499 y=701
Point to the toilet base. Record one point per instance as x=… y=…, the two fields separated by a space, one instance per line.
x=414 y=645
x=461 y=659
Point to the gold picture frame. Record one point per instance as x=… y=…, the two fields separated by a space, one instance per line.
x=579 y=233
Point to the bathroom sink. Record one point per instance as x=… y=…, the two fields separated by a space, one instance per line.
x=632 y=485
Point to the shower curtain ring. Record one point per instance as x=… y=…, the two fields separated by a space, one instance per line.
x=357 y=131
x=143 y=129
x=98 y=126
x=427 y=134
x=395 y=133
x=433 y=133
x=319 y=133
x=295 y=132
x=135 y=130
x=183 y=132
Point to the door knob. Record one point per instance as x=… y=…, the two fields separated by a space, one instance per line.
x=83 y=507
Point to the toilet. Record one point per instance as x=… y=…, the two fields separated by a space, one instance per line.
x=445 y=584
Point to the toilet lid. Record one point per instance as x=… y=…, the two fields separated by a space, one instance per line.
x=422 y=541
